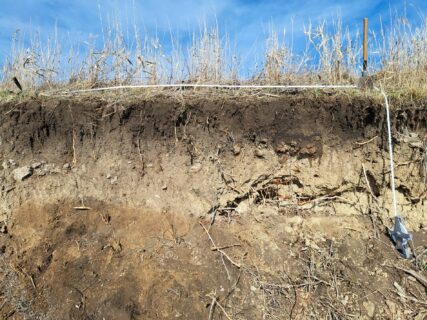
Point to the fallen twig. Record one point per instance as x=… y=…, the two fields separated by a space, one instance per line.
x=26 y=274
x=223 y=310
x=367 y=182
x=73 y=137
x=415 y=274
x=294 y=304
x=421 y=254
x=225 y=267
x=213 y=218
x=366 y=142
x=218 y=248
x=216 y=302
x=233 y=288
x=140 y=153
x=212 y=308
x=141 y=158
x=374 y=199
x=82 y=208
x=10 y=189
x=401 y=293
x=74 y=149
x=225 y=247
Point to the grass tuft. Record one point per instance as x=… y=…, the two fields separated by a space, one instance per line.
x=332 y=56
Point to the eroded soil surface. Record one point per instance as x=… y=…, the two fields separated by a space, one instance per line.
x=190 y=208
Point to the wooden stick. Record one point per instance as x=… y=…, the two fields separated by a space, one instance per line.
x=365 y=45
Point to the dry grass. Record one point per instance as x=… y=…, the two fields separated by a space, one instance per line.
x=332 y=56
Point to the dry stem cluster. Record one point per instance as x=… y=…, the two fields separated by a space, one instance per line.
x=332 y=56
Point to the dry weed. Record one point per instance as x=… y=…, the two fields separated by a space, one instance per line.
x=332 y=56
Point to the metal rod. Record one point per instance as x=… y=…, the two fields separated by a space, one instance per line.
x=365 y=46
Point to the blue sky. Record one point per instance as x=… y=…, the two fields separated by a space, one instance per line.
x=246 y=22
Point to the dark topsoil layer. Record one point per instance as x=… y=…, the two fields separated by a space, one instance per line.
x=31 y=125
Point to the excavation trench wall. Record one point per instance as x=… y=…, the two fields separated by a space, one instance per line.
x=99 y=201
x=197 y=156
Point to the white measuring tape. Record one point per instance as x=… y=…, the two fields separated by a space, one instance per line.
x=218 y=86
x=390 y=149
x=399 y=234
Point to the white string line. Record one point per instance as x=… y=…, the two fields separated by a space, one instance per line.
x=184 y=85
x=390 y=148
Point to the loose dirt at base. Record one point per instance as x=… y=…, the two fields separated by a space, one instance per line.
x=242 y=208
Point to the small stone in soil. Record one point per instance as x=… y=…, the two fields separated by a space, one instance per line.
x=36 y=165
x=237 y=149
x=22 y=173
x=3 y=228
x=259 y=153
x=196 y=167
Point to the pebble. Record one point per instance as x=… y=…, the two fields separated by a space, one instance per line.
x=22 y=173
x=243 y=208
x=41 y=173
x=6 y=164
x=259 y=153
x=53 y=169
x=3 y=227
x=308 y=150
x=283 y=148
x=392 y=306
x=237 y=149
x=370 y=308
x=114 y=180
x=196 y=167
x=36 y=165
